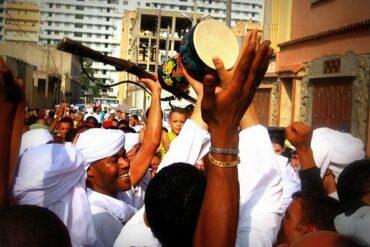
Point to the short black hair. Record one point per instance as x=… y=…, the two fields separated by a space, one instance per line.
x=277 y=138
x=177 y=110
x=173 y=200
x=93 y=121
x=127 y=129
x=66 y=120
x=31 y=120
x=123 y=122
x=135 y=117
x=354 y=181
x=70 y=135
x=32 y=226
x=318 y=210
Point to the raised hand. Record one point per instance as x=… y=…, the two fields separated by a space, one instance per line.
x=153 y=86
x=299 y=135
x=12 y=105
x=225 y=108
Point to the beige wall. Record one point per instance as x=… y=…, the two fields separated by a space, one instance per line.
x=357 y=41
x=308 y=19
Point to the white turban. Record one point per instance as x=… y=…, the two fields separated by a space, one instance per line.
x=335 y=150
x=131 y=140
x=96 y=144
x=53 y=176
x=34 y=138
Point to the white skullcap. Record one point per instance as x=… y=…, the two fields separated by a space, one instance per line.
x=96 y=144
x=34 y=138
x=131 y=140
x=53 y=176
x=335 y=150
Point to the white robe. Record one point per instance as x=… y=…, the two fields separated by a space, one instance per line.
x=109 y=215
x=259 y=178
x=135 y=196
x=291 y=181
x=136 y=233
x=356 y=226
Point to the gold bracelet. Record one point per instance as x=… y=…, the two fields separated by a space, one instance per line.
x=223 y=164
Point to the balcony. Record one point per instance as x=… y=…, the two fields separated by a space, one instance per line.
x=23 y=27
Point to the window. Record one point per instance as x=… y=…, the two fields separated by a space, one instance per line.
x=68 y=6
x=182 y=8
x=50 y=5
x=50 y=14
x=89 y=26
x=89 y=35
x=79 y=7
x=106 y=27
x=106 y=36
x=79 y=16
x=147 y=4
x=108 y=10
x=41 y=83
x=49 y=23
x=79 y=25
x=77 y=34
x=98 y=36
x=108 y=18
x=106 y=46
x=58 y=5
x=49 y=32
x=56 y=32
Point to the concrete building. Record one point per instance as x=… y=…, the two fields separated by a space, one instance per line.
x=140 y=42
x=55 y=74
x=2 y=15
x=95 y=23
x=21 y=22
x=242 y=10
x=323 y=66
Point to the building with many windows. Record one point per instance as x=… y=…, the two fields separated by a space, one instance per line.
x=19 y=22
x=95 y=23
x=242 y=10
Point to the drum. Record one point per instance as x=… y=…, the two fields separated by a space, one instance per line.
x=206 y=40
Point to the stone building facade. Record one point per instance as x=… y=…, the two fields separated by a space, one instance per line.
x=321 y=69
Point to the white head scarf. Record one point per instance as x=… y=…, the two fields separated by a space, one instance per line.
x=53 y=176
x=34 y=138
x=131 y=140
x=335 y=150
x=96 y=144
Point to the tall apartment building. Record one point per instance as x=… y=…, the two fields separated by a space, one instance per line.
x=242 y=10
x=20 y=22
x=2 y=14
x=95 y=23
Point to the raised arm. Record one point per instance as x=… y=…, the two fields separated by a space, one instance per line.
x=300 y=136
x=12 y=105
x=223 y=110
x=153 y=134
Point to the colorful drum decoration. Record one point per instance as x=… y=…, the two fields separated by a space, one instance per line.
x=206 y=40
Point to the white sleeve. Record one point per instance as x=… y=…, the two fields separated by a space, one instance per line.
x=260 y=185
x=136 y=233
x=189 y=146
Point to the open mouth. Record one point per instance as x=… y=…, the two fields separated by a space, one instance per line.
x=123 y=176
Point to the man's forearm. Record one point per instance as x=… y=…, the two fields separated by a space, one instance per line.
x=221 y=201
x=151 y=142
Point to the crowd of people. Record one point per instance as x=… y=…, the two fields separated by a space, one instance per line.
x=216 y=178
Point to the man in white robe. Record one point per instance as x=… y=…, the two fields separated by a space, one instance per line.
x=109 y=214
x=260 y=185
x=53 y=176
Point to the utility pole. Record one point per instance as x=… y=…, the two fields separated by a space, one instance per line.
x=195 y=10
x=158 y=31
x=167 y=41
x=228 y=13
